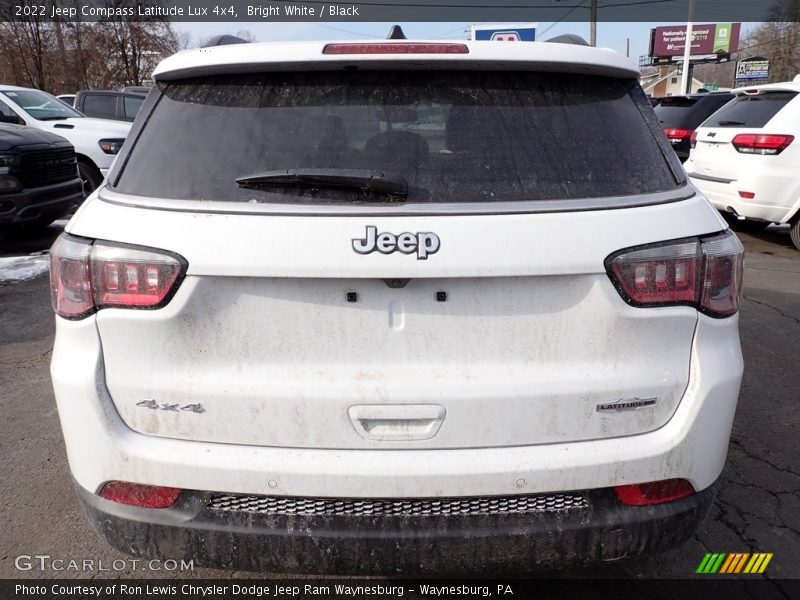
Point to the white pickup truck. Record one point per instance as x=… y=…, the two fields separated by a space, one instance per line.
x=96 y=141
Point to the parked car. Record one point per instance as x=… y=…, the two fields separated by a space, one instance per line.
x=681 y=115
x=69 y=99
x=39 y=179
x=412 y=319
x=96 y=141
x=746 y=158
x=101 y=104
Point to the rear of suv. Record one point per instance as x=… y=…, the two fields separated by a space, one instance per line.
x=421 y=307
x=681 y=115
x=746 y=157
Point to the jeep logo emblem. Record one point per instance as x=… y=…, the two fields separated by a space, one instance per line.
x=423 y=243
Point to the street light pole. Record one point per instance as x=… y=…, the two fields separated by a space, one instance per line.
x=687 y=52
x=593 y=28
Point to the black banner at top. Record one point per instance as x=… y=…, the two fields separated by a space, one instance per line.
x=403 y=10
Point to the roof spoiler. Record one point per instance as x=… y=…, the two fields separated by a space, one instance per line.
x=568 y=38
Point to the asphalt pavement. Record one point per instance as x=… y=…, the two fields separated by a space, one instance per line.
x=757 y=509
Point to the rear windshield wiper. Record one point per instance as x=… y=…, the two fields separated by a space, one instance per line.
x=357 y=179
x=730 y=123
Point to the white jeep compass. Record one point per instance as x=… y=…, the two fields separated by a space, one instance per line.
x=396 y=307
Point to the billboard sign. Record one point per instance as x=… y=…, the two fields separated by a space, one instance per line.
x=715 y=38
x=752 y=70
x=505 y=32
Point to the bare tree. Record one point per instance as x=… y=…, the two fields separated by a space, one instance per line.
x=26 y=46
x=246 y=35
x=133 y=49
x=62 y=56
x=778 y=41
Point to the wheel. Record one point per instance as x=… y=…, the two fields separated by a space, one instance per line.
x=748 y=226
x=794 y=232
x=90 y=177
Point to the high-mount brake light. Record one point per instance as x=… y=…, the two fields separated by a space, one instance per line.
x=703 y=273
x=759 y=143
x=86 y=276
x=396 y=48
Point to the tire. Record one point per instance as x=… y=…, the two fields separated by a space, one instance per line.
x=748 y=226
x=90 y=177
x=794 y=232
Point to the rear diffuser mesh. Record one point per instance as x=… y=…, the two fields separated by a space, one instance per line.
x=398 y=507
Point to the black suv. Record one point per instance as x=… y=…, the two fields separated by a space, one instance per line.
x=681 y=115
x=39 y=179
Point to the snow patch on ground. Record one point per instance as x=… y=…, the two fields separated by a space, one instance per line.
x=22 y=268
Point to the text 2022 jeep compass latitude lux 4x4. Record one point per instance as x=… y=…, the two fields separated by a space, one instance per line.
x=396 y=307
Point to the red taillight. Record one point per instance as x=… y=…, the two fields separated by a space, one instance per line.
x=757 y=143
x=86 y=276
x=705 y=274
x=138 y=494
x=678 y=135
x=395 y=48
x=134 y=278
x=693 y=139
x=656 y=492
x=660 y=275
x=723 y=267
x=70 y=278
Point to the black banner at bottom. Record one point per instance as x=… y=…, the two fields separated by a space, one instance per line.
x=333 y=589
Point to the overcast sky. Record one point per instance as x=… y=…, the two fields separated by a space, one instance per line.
x=610 y=35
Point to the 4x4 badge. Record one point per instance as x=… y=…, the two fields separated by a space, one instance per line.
x=423 y=243
x=153 y=405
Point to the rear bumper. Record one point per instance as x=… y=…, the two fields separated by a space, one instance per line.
x=366 y=544
x=773 y=202
x=34 y=204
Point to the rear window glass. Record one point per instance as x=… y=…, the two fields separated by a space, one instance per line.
x=132 y=106
x=671 y=111
x=97 y=105
x=689 y=113
x=750 y=111
x=454 y=136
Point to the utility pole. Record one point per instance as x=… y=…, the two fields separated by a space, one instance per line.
x=593 y=28
x=687 y=52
